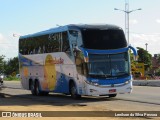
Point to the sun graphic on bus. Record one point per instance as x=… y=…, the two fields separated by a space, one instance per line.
x=25 y=72
x=49 y=73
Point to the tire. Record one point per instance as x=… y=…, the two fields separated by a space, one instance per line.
x=32 y=87
x=45 y=93
x=73 y=91
x=112 y=95
x=37 y=89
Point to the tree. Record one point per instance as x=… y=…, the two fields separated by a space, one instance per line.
x=11 y=66
x=157 y=71
x=2 y=64
x=158 y=57
x=145 y=57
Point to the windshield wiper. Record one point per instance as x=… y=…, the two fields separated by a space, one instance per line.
x=100 y=75
x=122 y=73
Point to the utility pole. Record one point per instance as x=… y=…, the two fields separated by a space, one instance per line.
x=127 y=12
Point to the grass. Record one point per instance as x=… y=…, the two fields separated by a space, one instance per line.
x=11 y=78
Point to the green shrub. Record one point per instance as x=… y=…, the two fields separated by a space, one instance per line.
x=11 y=78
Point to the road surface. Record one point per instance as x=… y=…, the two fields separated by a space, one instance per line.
x=143 y=98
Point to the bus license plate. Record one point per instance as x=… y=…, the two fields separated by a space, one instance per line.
x=112 y=90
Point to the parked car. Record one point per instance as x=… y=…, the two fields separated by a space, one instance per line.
x=1 y=81
x=17 y=75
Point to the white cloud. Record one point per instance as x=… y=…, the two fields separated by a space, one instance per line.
x=8 y=46
x=133 y=21
x=153 y=40
x=1 y=38
x=158 y=20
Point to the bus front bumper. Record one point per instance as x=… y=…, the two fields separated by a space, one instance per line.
x=96 y=90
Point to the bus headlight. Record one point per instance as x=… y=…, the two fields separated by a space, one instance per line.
x=127 y=82
x=96 y=84
x=91 y=83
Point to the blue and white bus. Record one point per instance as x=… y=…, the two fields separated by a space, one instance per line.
x=90 y=60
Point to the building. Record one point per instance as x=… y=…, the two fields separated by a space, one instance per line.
x=155 y=64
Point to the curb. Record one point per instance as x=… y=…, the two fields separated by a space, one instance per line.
x=154 y=83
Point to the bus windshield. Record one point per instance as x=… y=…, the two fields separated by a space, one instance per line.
x=103 y=39
x=108 y=65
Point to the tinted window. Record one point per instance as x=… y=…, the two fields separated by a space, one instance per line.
x=65 y=43
x=103 y=39
x=108 y=65
x=41 y=44
x=54 y=42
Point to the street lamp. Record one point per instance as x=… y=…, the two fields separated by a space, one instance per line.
x=146 y=46
x=127 y=20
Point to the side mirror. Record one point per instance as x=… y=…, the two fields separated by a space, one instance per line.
x=134 y=52
x=135 y=58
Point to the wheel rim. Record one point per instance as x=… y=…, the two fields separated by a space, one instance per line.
x=37 y=89
x=32 y=87
x=73 y=90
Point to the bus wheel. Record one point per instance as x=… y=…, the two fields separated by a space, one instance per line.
x=45 y=93
x=112 y=95
x=37 y=89
x=73 y=91
x=32 y=87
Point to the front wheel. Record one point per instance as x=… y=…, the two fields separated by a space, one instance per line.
x=73 y=91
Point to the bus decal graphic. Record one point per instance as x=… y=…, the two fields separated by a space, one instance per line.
x=55 y=61
x=49 y=73
x=26 y=61
x=25 y=71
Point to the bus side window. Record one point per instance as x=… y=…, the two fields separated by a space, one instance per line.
x=53 y=43
x=65 y=43
x=20 y=46
x=80 y=64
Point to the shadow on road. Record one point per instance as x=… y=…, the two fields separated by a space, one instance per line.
x=21 y=97
x=51 y=99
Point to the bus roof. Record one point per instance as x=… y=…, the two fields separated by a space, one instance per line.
x=70 y=27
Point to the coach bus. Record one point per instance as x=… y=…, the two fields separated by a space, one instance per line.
x=76 y=60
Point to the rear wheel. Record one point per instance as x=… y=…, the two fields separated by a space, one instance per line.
x=73 y=91
x=45 y=93
x=32 y=87
x=112 y=95
x=37 y=89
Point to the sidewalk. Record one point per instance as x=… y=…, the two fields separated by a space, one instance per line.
x=155 y=83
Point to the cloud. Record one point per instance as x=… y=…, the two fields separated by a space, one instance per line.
x=139 y=40
x=158 y=20
x=8 y=46
x=1 y=38
x=133 y=21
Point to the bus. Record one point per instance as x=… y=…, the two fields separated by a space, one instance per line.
x=77 y=60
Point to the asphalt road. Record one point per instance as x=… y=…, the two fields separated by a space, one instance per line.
x=143 y=98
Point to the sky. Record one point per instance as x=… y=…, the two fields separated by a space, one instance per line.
x=23 y=17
